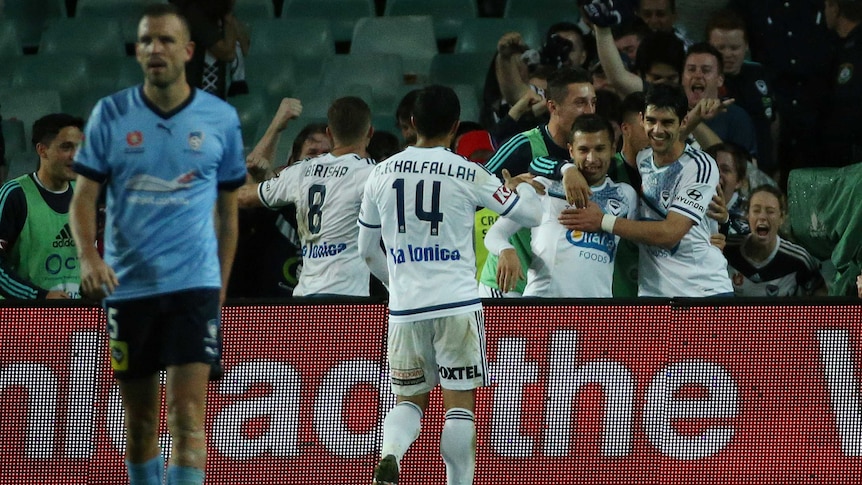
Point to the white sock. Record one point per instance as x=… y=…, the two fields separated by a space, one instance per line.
x=458 y=446
x=400 y=429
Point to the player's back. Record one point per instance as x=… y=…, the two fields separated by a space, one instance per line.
x=427 y=198
x=327 y=191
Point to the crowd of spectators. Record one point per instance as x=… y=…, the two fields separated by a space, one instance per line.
x=771 y=87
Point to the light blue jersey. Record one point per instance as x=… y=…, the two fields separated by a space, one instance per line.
x=162 y=173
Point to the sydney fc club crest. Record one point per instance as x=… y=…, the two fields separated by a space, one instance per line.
x=196 y=139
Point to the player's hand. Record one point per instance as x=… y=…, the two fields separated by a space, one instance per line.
x=510 y=44
x=257 y=166
x=587 y=219
x=717 y=209
x=513 y=182
x=526 y=104
x=288 y=109
x=859 y=284
x=57 y=295
x=509 y=270
x=98 y=280
x=718 y=240
x=705 y=110
x=608 y=13
x=577 y=189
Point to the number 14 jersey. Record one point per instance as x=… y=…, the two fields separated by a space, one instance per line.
x=424 y=201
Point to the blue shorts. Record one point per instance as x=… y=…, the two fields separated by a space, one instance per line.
x=146 y=335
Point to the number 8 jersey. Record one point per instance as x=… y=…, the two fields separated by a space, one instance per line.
x=327 y=191
x=424 y=201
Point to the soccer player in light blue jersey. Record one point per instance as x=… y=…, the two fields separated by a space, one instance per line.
x=169 y=158
x=422 y=202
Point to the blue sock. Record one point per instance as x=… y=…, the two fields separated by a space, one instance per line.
x=185 y=475
x=147 y=473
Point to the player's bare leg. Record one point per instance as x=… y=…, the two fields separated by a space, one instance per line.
x=141 y=405
x=186 y=403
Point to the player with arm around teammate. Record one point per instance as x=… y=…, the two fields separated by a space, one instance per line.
x=170 y=159
x=422 y=202
x=673 y=230
x=560 y=253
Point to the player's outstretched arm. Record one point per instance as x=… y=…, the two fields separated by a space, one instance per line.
x=528 y=211
x=667 y=233
x=260 y=161
x=509 y=270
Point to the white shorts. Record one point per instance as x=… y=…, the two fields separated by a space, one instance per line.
x=449 y=351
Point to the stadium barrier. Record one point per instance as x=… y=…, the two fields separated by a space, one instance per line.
x=582 y=392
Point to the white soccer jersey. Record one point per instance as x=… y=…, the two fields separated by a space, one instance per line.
x=788 y=271
x=575 y=264
x=694 y=268
x=327 y=191
x=424 y=201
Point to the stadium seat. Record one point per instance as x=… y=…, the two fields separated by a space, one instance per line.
x=22 y=163
x=341 y=14
x=546 y=12
x=93 y=35
x=463 y=68
x=469 y=101
x=274 y=77
x=386 y=122
x=252 y=110
x=411 y=37
x=307 y=41
x=28 y=105
x=65 y=73
x=247 y=10
x=126 y=12
x=299 y=38
x=383 y=72
x=30 y=17
x=10 y=44
x=109 y=74
x=448 y=15
x=482 y=34
x=317 y=98
x=13 y=135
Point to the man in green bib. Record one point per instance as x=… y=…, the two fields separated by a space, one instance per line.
x=570 y=94
x=37 y=253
